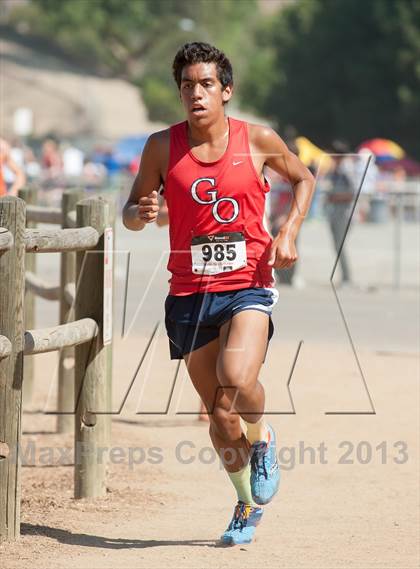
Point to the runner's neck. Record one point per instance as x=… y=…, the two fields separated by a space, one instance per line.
x=212 y=134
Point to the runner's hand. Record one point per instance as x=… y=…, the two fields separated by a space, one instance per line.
x=283 y=252
x=148 y=207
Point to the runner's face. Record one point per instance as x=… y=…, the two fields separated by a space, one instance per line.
x=202 y=93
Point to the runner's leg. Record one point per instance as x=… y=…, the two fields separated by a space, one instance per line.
x=243 y=343
x=225 y=428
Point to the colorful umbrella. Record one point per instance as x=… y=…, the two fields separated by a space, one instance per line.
x=383 y=149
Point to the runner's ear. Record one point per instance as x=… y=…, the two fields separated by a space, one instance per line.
x=227 y=93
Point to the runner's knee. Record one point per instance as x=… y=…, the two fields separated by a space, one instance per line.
x=234 y=375
x=225 y=424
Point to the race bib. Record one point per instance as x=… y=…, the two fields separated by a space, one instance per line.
x=218 y=253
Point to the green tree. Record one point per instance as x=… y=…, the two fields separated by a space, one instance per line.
x=137 y=39
x=341 y=68
x=102 y=33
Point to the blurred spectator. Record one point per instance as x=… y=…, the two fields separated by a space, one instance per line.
x=12 y=176
x=94 y=174
x=339 y=201
x=17 y=153
x=73 y=159
x=104 y=155
x=32 y=166
x=51 y=159
x=111 y=163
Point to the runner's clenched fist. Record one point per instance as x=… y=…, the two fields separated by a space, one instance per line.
x=148 y=207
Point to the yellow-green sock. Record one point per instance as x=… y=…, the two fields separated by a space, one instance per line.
x=257 y=431
x=242 y=482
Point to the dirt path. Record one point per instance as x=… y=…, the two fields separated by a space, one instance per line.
x=171 y=513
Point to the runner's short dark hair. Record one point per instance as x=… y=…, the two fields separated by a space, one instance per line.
x=200 y=52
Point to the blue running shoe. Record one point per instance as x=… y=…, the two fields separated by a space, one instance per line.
x=242 y=527
x=265 y=471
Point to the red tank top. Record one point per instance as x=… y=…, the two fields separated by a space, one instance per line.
x=216 y=201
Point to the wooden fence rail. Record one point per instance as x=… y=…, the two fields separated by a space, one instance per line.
x=5 y=347
x=62 y=336
x=69 y=294
x=41 y=288
x=6 y=239
x=52 y=240
x=40 y=214
x=58 y=240
x=92 y=379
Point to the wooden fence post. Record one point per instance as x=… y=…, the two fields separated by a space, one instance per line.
x=65 y=399
x=12 y=282
x=110 y=347
x=29 y=196
x=91 y=375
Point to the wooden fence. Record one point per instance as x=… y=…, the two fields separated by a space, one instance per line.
x=84 y=392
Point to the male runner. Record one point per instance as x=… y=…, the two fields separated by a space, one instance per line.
x=218 y=310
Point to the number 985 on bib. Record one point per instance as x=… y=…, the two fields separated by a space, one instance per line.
x=218 y=253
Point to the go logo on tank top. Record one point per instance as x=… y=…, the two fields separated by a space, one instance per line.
x=218 y=252
x=213 y=200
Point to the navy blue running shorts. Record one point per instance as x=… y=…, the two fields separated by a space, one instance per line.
x=194 y=320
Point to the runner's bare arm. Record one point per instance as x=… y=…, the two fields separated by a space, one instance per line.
x=277 y=156
x=272 y=151
x=142 y=205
